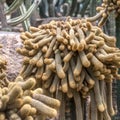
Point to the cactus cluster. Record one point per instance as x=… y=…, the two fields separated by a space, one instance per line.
x=18 y=102
x=75 y=59
x=104 y=11
x=63 y=61
x=22 y=100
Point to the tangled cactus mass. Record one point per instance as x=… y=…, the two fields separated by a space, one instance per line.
x=72 y=59
x=22 y=100
x=105 y=10
x=63 y=61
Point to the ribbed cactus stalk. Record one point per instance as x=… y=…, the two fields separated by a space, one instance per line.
x=25 y=14
x=2 y=16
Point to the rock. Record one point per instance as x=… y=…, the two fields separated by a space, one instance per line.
x=11 y=41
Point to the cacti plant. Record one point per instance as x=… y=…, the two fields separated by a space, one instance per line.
x=21 y=100
x=73 y=59
x=25 y=14
x=104 y=11
x=68 y=60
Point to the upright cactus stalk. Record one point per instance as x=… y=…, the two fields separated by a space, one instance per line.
x=51 y=8
x=26 y=23
x=25 y=14
x=13 y=6
x=118 y=45
x=18 y=20
x=2 y=16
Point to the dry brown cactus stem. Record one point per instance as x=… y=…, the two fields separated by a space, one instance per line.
x=71 y=58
